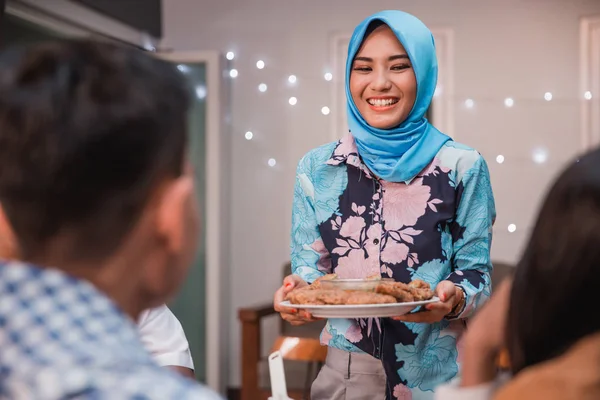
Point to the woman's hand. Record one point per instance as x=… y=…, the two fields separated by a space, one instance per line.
x=448 y=293
x=292 y=315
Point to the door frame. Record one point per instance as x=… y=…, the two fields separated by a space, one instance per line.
x=589 y=78
x=216 y=214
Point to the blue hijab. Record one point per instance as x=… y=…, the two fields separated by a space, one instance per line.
x=399 y=154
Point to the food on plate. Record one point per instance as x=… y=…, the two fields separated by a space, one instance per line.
x=417 y=290
x=361 y=297
x=383 y=292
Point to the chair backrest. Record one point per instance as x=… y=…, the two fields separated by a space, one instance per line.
x=312 y=330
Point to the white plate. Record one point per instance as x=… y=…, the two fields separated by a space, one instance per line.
x=359 y=310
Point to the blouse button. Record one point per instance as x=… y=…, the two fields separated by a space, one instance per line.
x=376 y=241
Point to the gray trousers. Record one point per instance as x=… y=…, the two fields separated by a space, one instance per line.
x=349 y=376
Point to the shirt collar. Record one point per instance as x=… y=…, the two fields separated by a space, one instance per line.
x=346 y=152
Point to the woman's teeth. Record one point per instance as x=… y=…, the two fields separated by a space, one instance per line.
x=382 y=102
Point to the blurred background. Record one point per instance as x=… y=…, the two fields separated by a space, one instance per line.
x=519 y=81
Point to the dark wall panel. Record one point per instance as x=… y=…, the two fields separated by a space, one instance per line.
x=145 y=15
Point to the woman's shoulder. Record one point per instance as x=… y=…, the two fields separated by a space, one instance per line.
x=318 y=156
x=460 y=158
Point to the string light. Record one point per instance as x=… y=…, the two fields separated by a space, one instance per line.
x=262 y=87
x=293 y=101
x=469 y=103
x=328 y=76
x=249 y=135
x=230 y=55
x=588 y=95
x=201 y=92
x=272 y=162
x=325 y=110
x=183 y=68
x=260 y=64
x=512 y=228
x=539 y=155
x=292 y=79
x=548 y=96
x=509 y=102
x=233 y=73
x=500 y=159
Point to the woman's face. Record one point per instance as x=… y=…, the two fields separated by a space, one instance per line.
x=382 y=81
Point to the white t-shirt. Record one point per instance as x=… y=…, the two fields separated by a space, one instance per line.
x=164 y=338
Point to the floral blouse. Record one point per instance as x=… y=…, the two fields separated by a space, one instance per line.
x=437 y=226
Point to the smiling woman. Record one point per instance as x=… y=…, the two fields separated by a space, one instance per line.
x=395 y=198
x=383 y=83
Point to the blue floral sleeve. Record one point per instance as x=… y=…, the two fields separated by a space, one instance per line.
x=472 y=236
x=310 y=259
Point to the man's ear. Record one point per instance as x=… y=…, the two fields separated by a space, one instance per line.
x=8 y=243
x=173 y=212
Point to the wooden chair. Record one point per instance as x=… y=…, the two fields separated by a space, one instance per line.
x=299 y=345
x=501 y=272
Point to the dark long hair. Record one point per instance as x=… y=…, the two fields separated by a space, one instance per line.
x=558 y=276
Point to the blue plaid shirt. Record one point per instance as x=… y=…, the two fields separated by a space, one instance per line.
x=60 y=338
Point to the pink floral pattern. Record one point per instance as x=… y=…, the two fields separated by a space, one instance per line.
x=354 y=334
x=404 y=204
x=401 y=392
x=434 y=168
x=326 y=337
x=324 y=262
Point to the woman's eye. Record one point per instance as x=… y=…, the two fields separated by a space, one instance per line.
x=363 y=69
x=400 y=67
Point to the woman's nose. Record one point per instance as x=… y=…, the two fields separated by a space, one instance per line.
x=381 y=82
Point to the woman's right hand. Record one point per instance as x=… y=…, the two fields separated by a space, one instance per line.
x=292 y=315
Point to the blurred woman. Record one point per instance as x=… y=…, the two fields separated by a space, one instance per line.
x=541 y=318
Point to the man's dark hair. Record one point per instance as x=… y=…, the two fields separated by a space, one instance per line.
x=87 y=131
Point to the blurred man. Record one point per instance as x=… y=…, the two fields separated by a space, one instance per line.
x=94 y=184
x=160 y=331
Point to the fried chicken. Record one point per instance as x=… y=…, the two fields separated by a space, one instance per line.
x=398 y=290
x=417 y=290
x=318 y=296
x=386 y=292
x=359 y=297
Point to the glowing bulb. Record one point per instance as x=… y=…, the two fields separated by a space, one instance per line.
x=548 y=96
x=500 y=159
x=183 y=68
x=233 y=73
x=539 y=156
x=249 y=135
x=260 y=64
x=325 y=110
x=292 y=79
x=293 y=101
x=469 y=103
x=201 y=92
x=508 y=102
x=437 y=92
x=230 y=55
x=262 y=87
x=328 y=76
x=272 y=162
x=588 y=95
x=512 y=228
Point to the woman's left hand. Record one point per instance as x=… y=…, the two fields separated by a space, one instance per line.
x=449 y=296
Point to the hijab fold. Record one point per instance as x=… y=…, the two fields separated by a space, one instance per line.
x=400 y=153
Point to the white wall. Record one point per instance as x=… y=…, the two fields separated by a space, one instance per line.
x=510 y=48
